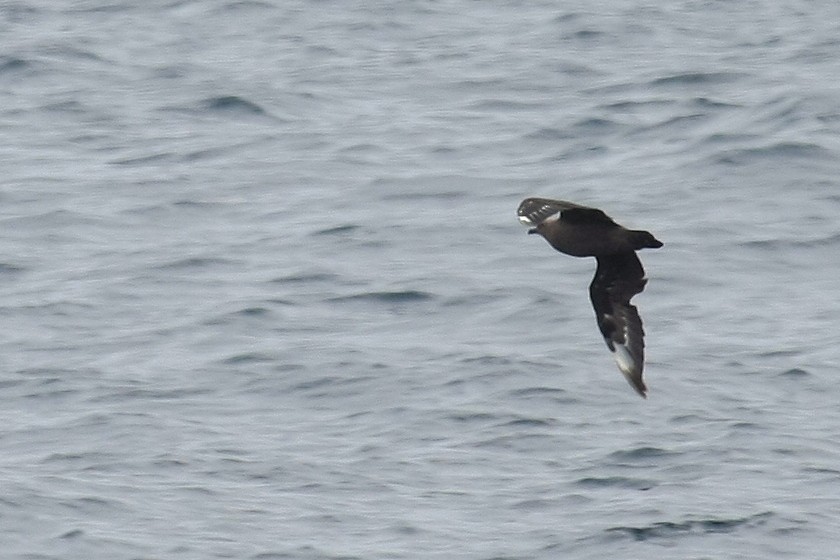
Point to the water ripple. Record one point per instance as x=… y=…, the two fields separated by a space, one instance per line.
x=668 y=529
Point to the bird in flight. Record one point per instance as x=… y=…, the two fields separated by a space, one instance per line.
x=581 y=231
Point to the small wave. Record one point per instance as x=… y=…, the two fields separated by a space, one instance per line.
x=233 y=103
x=481 y=84
x=337 y=230
x=470 y=417
x=132 y=394
x=254 y=312
x=13 y=64
x=788 y=150
x=426 y=186
x=727 y=137
x=73 y=534
x=533 y=504
x=779 y=244
x=626 y=106
x=707 y=103
x=693 y=526
x=640 y=453
x=764 y=244
x=549 y=133
x=70 y=107
x=143 y=160
x=488 y=360
x=248 y=358
x=587 y=34
x=226 y=8
x=193 y=262
x=680 y=122
x=361 y=147
x=10 y=269
x=193 y=204
x=442 y=195
x=529 y=422
x=832 y=473
x=528 y=392
x=248 y=313
x=503 y=105
x=317 y=383
x=687 y=419
x=615 y=482
x=53 y=220
x=747 y=426
x=828 y=118
x=595 y=122
x=401 y=296
x=697 y=78
x=795 y=373
x=596 y=125
x=72 y=457
x=568 y=17
x=305 y=278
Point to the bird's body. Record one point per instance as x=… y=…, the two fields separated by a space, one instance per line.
x=581 y=231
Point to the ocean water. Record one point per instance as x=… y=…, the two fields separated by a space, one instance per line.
x=265 y=295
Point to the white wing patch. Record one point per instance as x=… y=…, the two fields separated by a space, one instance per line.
x=539 y=214
x=623 y=359
x=553 y=218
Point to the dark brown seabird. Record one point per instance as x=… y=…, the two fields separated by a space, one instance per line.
x=580 y=231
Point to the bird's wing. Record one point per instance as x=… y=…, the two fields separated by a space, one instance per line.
x=585 y=215
x=618 y=278
x=532 y=211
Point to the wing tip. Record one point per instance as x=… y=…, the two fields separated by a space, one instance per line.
x=640 y=388
x=533 y=211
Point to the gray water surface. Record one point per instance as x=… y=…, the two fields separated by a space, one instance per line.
x=265 y=294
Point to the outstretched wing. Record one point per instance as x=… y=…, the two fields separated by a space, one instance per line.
x=617 y=279
x=532 y=211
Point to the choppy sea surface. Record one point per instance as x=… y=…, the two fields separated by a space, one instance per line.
x=265 y=296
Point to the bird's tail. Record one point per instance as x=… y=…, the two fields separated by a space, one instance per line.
x=644 y=240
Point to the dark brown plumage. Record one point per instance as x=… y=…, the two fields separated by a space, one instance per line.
x=581 y=231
